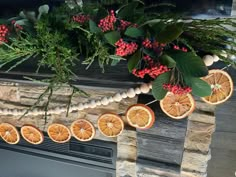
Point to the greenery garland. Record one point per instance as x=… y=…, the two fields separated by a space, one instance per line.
x=159 y=47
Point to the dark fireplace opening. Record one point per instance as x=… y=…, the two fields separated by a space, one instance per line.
x=73 y=159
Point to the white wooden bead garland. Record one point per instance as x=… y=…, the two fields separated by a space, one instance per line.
x=130 y=93
x=210 y=59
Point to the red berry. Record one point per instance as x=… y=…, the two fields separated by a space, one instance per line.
x=107 y=23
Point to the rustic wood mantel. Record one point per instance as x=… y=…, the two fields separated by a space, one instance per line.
x=170 y=148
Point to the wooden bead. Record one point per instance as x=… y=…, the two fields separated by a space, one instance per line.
x=144 y=88
x=124 y=95
x=131 y=93
x=51 y=111
x=73 y=108
x=215 y=58
x=5 y=111
x=80 y=106
x=150 y=85
x=137 y=90
x=85 y=105
x=98 y=103
x=117 y=97
x=208 y=60
x=93 y=104
x=105 y=101
x=110 y=99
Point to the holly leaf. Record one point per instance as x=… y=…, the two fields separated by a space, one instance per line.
x=199 y=87
x=112 y=37
x=157 y=87
x=168 y=61
x=189 y=64
x=169 y=33
x=134 y=32
x=93 y=27
x=134 y=60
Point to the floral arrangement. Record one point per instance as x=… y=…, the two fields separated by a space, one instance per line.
x=159 y=47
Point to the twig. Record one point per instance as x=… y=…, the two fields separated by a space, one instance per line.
x=47 y=104
x=36 y=103
x=70 y=101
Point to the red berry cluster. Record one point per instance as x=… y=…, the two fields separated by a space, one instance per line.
x=147 y=43
x=153 y=71
x=178 y=48
x=3 y=32
x=124 y=49
x=124 y=24
x=149 y=60
x=107 y=23
x=177 y=89
x=80 y=18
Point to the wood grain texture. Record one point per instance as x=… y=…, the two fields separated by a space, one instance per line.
x=164 y=142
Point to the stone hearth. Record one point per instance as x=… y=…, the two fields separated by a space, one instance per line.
x=194 y=154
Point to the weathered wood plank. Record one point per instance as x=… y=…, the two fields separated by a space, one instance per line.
x=164 y=142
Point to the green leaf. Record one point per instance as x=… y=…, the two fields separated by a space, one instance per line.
x=199 y=87
x=170 y=33
x=151 y=53
x=168 y=61
x=190 y=64
x=128 y=10
x=44 y=9
x=116 y=57
x=157 y=27
x=134 y=60
x=157 y=87
x=134 y=32
x=112 y=37
x=114 y=62
x=93 y=27
x=150 y=22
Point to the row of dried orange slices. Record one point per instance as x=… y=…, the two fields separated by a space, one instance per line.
x=109 y=124
x=138 y=116
x=29 y=132
x=180 y=106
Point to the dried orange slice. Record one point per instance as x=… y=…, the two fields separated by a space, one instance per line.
x=32 y=134
x=177 y=106
x=140 y=116
x=9 y=133
x=59 y=133
x=221 y=84
x=110 y=125
x=82 y=130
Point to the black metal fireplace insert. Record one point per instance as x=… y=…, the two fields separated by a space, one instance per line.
x=73 y=159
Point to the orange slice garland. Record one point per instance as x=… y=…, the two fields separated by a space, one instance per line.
x=9 y=133
x=221 y=84
x=177 y=106
x=82 y=130
x=32 y=134
x=140 y=116
x=59 y=133
x=110 y=125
